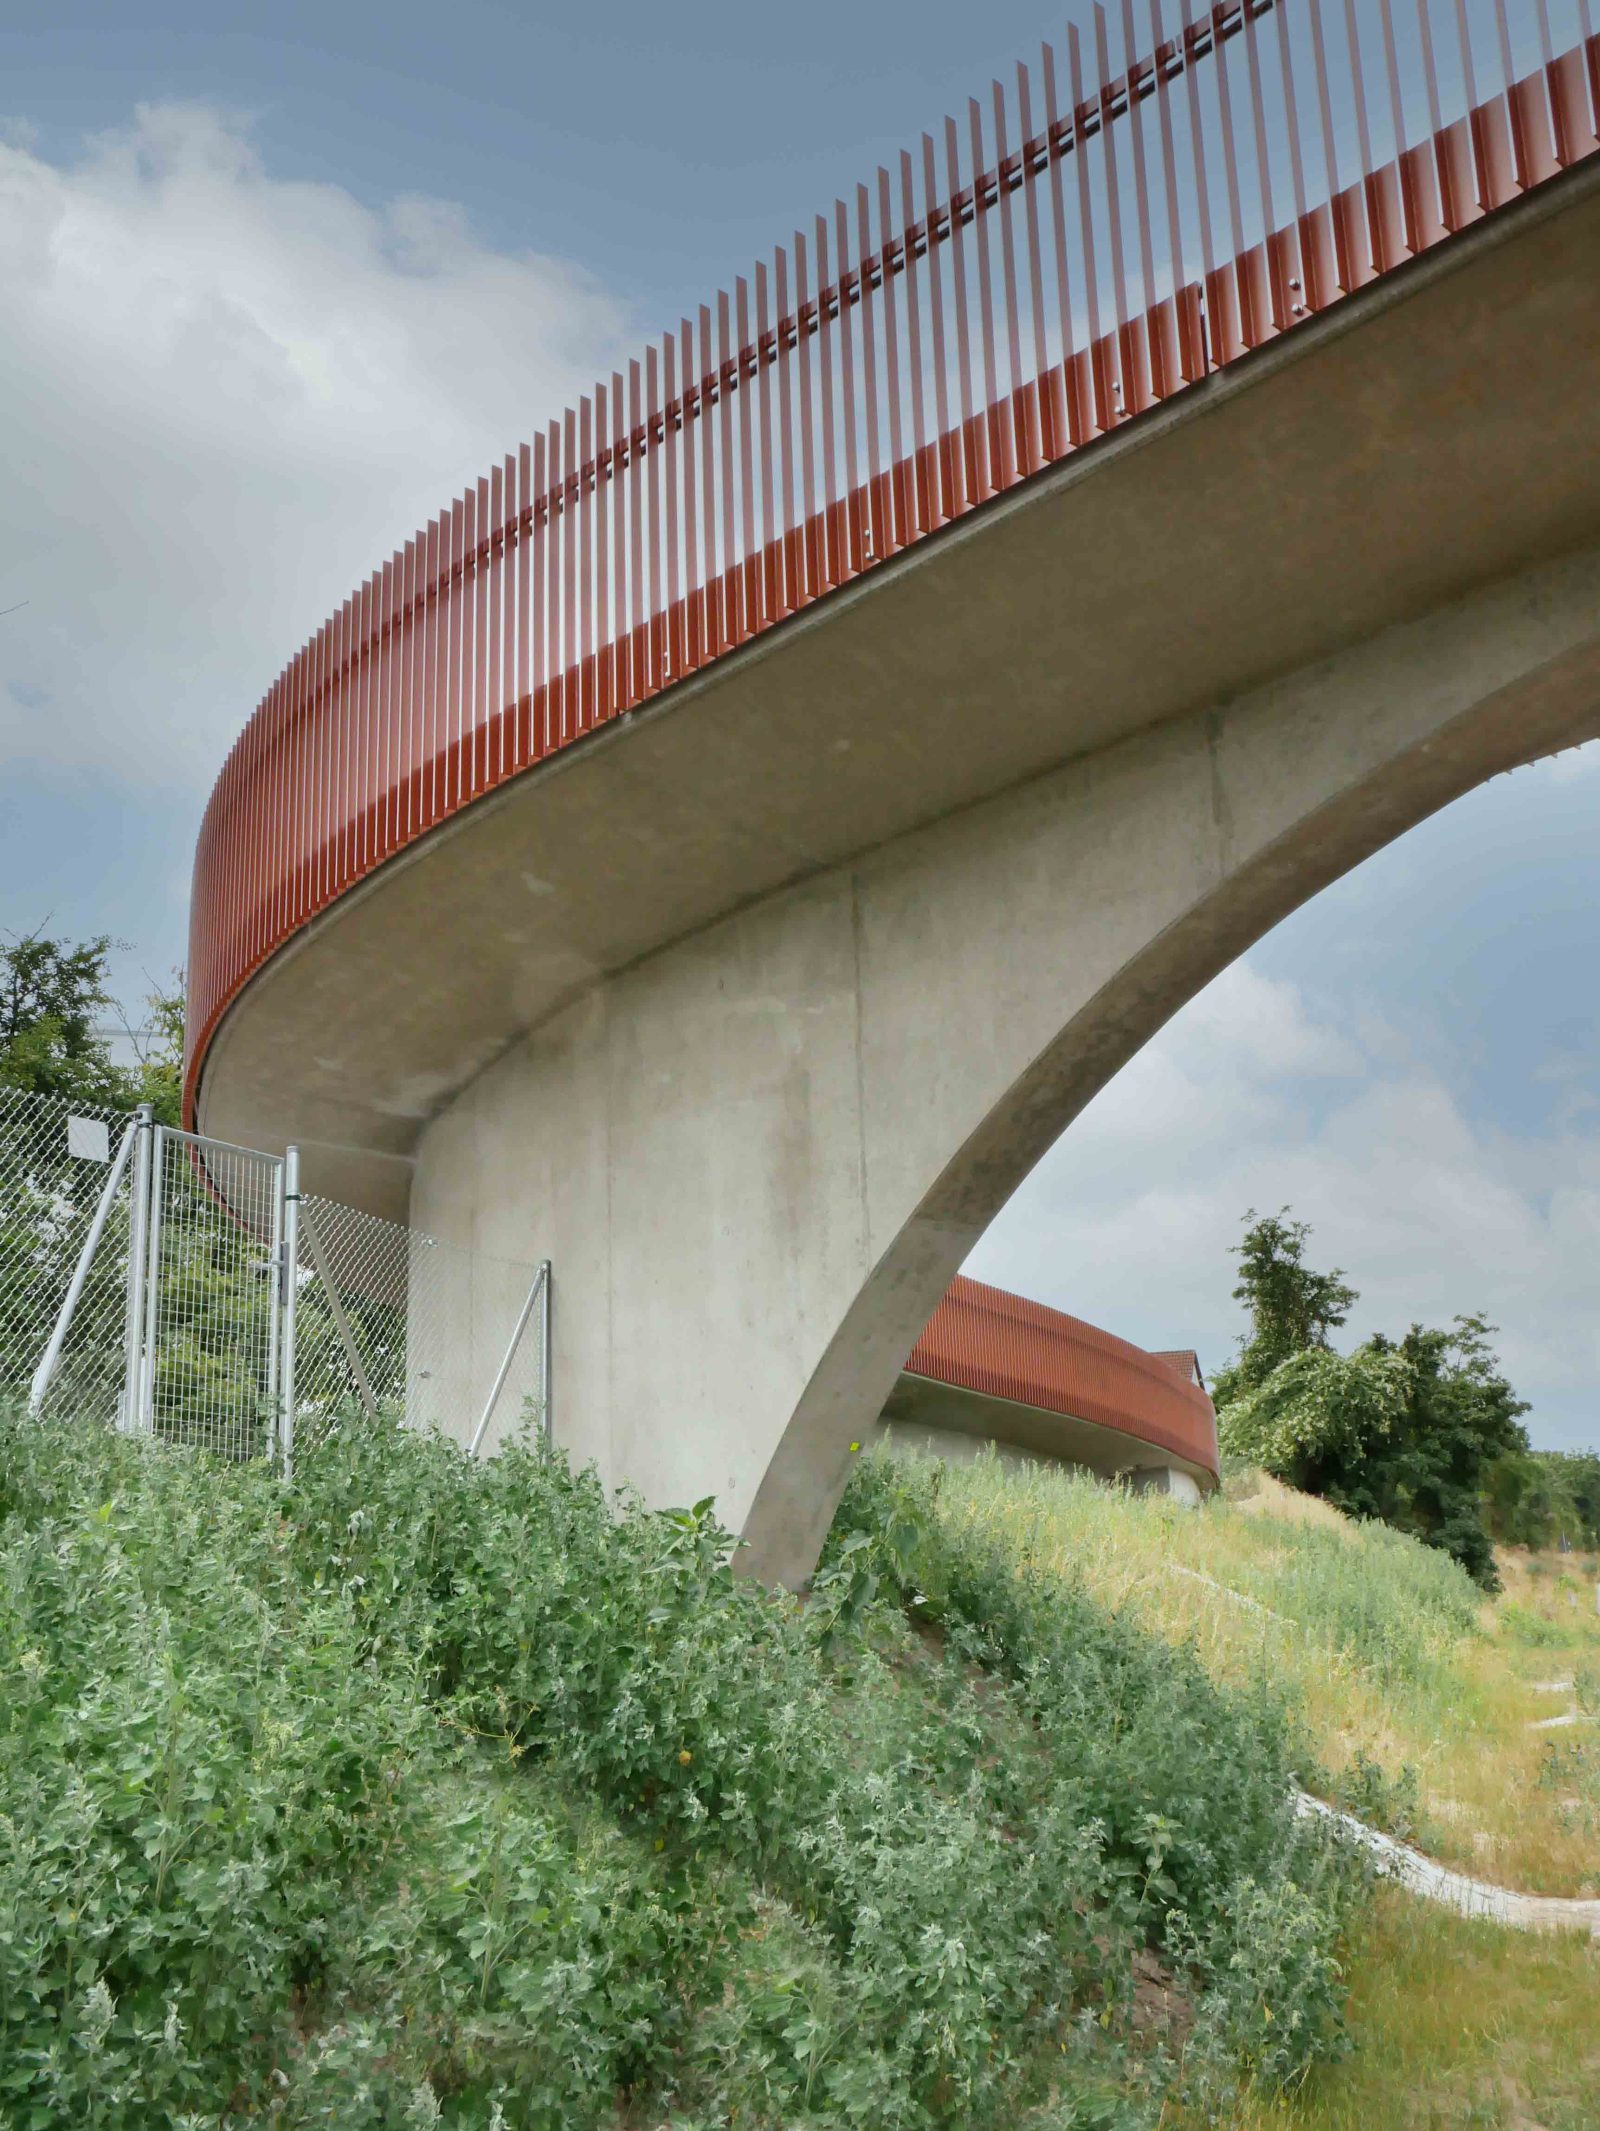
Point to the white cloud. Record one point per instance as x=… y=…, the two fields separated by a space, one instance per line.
x=1255 y=1095
x=228 y=397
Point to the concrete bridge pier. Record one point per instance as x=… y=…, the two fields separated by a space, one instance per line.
x=758 y=1155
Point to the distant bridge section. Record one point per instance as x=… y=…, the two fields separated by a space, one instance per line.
x=742 y=830
x=996 y=1368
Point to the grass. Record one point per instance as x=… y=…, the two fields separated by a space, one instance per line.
x=430 y=1792
x=1390 y=1660
x=1455 y=2026
x=1415 y=1697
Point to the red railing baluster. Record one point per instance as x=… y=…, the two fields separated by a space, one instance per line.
x=811 y=560
x=788 y=587
x=855 y=542
x=604 y=664
x=1139 y=360
x=555 y=653
x=995 y=470
x=654 y=432
x=1016 y=456
x=481 y=561
x=896 y=515
x=583 y=541
x=621 y=662
x=921 y=486
x=766 y=560
x=690 y=623
x=969 y=484
x=539 y=628
x=747 y=545
x=638 y=672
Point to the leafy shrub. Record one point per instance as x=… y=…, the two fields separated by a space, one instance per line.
x=1392 y=1803
x=428 y=1791
x=1187 y=1783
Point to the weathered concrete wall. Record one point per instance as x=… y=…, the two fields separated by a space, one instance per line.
x=758 y=1156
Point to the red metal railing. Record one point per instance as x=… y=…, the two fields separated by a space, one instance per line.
x=983 y=1339
x=1016 y=289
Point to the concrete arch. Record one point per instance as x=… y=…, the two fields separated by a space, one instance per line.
x=1252 y=808
x=750 y=1008
x=761 y=1154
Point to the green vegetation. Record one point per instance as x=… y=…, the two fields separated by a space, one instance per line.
x=1416 y=1700
x=1454 y=2026
x=54 y=995
x=1406 y=1430
x=430 y=1791
x=1540 y=1498
x=1416 y=1696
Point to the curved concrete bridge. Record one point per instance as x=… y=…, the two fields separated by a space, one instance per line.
x=727 y=847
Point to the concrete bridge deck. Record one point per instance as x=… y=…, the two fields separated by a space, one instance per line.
x=754 y=1001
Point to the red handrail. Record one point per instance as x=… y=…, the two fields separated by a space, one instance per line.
x=882 y=377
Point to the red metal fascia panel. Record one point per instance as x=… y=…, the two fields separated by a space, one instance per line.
x=983 y=1339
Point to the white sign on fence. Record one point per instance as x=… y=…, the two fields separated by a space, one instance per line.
x=89 y=1138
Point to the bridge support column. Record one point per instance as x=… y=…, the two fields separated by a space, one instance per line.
x=758 y=1156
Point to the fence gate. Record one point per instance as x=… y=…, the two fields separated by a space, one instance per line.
x=185 y=1288
x=207 y=1371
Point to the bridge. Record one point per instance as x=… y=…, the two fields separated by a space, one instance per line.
x=732 y=841
x=992 y=1368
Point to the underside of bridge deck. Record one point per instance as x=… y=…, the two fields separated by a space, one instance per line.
x=753 y=1008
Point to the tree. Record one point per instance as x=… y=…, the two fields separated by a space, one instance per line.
x=51 y=994
x=1537 y=1498
x=1291 y=1307
x=54 y=997
x=1405 y=1431
x=54 y=1001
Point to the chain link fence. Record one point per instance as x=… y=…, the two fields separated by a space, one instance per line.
x=184 y=1288
x=61 y=1167
x=398 y=1321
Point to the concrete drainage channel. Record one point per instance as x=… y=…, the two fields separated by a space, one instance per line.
x=1574 y=1715
x=1421 y=1875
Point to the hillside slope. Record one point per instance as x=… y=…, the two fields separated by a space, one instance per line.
x=433 y=1791
x=1423 y=1706
x=1415 y=1701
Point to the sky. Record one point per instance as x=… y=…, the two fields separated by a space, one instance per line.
x=279 y=279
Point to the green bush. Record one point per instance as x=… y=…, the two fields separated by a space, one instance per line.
x=430 y=1791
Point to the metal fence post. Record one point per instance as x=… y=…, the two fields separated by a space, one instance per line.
x=144 y=1411
x=138 y=1268
x=290 y=1295
x=546 y=1359
x=541 y=1286
x=275 y=1308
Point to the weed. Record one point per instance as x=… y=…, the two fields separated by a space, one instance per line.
x=427 y=1791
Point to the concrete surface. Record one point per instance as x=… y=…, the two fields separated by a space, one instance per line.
x=752 y=1010
x=1434 y=1882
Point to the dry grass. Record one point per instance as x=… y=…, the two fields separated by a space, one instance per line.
x=1258 y=1494
x=1455 y=2025
x=1381 y=1649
